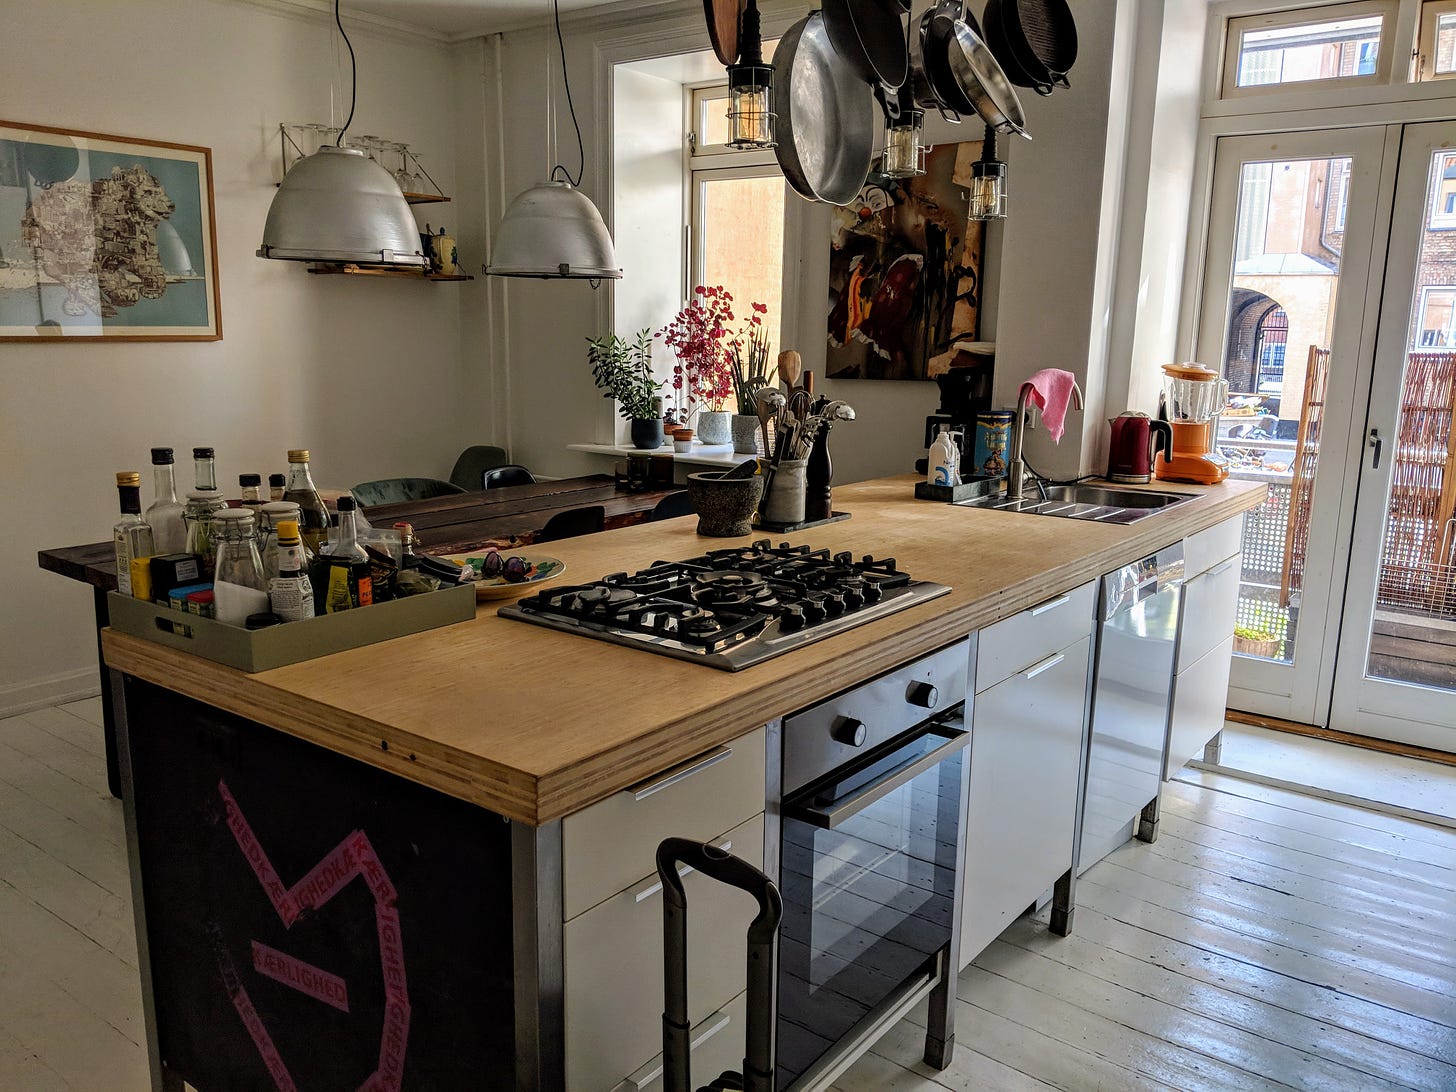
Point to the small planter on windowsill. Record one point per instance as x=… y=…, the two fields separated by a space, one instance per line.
x=1255 y=642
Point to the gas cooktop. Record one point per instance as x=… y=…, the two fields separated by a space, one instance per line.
x=730 y=608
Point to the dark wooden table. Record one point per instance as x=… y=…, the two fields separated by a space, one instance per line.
x=511 y=515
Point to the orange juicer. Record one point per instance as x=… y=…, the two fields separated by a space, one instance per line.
x=1193 y=399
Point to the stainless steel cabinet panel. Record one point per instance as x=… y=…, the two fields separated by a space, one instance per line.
x=1026 y=759
x=1016 y=643
x=1200 y=695
x=613 y=843
x=614 y=967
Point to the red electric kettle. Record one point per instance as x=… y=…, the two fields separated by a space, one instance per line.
x=1135 y=437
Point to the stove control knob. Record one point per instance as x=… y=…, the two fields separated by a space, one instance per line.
x=923 y=694
x=849 y=732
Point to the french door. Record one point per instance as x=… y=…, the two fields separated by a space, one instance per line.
x=1331 y=306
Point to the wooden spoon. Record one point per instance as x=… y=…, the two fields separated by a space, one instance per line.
x=791 y=366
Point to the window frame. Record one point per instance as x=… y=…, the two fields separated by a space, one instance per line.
x=1431 y=12
x=1420 y=324
x=1438 y=219
x=1235 y=28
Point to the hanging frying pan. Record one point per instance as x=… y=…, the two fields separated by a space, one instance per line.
x=963 y=74
x=869 y=37
x=1035 y=41
x=725 y=17
x=826 y=116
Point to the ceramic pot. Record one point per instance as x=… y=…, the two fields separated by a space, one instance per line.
x=784 y=503
x=647 y=434
x=715 y=427
x=725 y=506
x=745 y=434
x=682 y=440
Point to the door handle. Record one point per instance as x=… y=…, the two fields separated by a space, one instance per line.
x=1377 y=443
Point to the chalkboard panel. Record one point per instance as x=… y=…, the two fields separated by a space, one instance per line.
x=315 y=923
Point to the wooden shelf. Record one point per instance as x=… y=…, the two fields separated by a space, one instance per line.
x=353 y=270
x=424 y=198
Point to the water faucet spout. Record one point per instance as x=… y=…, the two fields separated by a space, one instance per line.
x=1015 y=465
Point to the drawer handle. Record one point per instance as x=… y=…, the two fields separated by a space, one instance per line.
x=1221 y=569
x=1052 y=604
x=656 y=885
x=643 y=789
x=649 y=1074
x=1046 y=665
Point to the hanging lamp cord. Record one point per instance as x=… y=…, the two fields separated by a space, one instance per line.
x=353 y=78
x=566 y=80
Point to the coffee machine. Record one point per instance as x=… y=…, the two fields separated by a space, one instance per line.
x=964 y=392
x=1193 y=398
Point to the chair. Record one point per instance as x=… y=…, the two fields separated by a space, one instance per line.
x=393 y=490
x=573 y=522
x=672 y=506
x=474 y=462
x=511 y=474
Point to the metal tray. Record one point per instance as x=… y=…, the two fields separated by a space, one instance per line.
x=292 y=642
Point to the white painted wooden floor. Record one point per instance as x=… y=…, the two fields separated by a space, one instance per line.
x=1267 y=939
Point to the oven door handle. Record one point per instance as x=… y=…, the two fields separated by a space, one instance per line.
x=846 y=808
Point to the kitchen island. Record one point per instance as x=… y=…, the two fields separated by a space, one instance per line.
x=394 y=764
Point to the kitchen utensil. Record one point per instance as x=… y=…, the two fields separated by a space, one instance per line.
x=725 y=18
x=541 y=569
x=1034 y=40
x=1193 y=398
x=962 y=75
x=869 y=37
x=791 y=366
x=767 y=402
x=746 y=469
x=928 y=49
x=1135 y=439
x=826 y=126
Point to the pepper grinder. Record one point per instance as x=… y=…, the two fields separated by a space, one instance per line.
x=818 y=480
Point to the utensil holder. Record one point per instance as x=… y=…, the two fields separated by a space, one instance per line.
x=784 y=501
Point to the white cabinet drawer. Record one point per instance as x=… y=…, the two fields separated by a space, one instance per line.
x=614 y=842
x=1210 y=602
x=1026 y=760
x=1200 y=696
x=716 y=1045
x=1204 y=549
x=613 y=958
x=1016 y=643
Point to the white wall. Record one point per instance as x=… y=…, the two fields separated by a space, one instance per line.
x=366 y=373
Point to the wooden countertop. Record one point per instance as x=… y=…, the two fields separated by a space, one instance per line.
x=535 y=724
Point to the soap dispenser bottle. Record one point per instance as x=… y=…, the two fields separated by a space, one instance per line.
x=945 y=457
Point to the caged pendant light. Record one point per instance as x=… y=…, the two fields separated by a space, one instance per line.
x=338 y=205
x=988 y=182
x=552 y=230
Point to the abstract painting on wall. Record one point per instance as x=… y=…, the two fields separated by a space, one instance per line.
x=105 y=238
x=905 y=273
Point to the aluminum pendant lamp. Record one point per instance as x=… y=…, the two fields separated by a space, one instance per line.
x=338 y=205
x=553 y=230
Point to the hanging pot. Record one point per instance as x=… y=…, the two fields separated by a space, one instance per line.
x=1034 y=40
x=961 y=71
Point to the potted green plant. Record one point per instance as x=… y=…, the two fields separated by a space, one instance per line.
x=622 y=370
x=1256 y=641
x=750 y=375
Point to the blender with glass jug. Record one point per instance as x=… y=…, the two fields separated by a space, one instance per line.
x=1193 y=397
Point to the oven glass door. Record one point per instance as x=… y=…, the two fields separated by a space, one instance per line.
x=868 y=881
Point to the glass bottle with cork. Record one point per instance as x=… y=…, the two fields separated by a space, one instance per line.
x=314 y=526
x=131 y=535
x=169 y=533
x=340 y=571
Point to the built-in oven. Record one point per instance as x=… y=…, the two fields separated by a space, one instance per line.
x=871 y=864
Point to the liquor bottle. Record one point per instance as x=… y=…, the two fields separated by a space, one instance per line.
x=251 y=486
x=204 y=463
x=277 y=483
x=301 y=491
x=290 y=593
x=132 y=535
x=169 y=533
x=340 y=572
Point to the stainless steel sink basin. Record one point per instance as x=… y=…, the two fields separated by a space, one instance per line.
x=1097 y=503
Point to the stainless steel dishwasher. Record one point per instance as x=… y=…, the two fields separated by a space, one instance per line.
x=1137 y=638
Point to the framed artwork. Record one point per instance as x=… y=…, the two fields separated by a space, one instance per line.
x=105 y=238
x=905 y=272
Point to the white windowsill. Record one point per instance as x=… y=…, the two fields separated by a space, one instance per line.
x=705 y=454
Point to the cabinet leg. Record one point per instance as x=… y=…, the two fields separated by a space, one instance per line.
x=108 y=706
x=940 y=1020
x=1213 y=750
x=1064 y=902
x=1148 y=822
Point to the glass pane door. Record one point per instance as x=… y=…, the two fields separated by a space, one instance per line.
x=1396 y=677
x=1283 y=312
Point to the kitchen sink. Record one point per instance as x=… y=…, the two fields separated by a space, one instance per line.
x=1098 y=503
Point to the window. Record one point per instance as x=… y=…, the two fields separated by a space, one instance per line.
x=1438 y=40
x=1437 y=326
x=1271 y=337
x=736 y=209
x=1253 y=217
x=1342 y=43
x=1341 y=190
x=1443 y=191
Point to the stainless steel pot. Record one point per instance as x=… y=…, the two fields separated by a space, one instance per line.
x=826 y=116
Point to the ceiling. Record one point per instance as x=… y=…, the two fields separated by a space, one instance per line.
x=467 y=18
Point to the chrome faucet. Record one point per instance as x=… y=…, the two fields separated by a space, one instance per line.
x=1015 y=466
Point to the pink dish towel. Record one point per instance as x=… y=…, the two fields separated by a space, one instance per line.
x=1051 y=391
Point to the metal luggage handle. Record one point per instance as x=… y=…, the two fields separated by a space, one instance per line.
x=681 y=772
x=828 y=818
x=726 y=845
x=701 y=1033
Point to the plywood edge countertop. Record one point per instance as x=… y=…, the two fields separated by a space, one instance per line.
x=535 y=724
